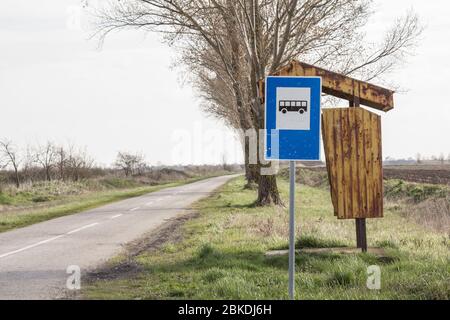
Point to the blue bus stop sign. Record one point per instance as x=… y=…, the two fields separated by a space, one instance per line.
x=293 y=118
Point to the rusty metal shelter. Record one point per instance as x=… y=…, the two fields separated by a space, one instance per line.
x=352 y=143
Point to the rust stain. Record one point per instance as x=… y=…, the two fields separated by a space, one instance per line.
x=352 y=146
x=343 y=87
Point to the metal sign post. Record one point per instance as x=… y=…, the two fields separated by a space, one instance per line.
x=292 y=122
x=360 y=223
x=292 y=230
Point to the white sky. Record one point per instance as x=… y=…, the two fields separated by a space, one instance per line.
x=56 y=85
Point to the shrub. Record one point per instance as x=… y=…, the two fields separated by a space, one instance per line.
x=205 y=251
x=396 y=189
x=341 y=278
x=5 y=199
x=41 y=199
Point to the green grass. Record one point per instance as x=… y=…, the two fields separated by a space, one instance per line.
x=73 y=204
x=222 y=255
x=416 y=191
x=44 y=191
x=56 y=190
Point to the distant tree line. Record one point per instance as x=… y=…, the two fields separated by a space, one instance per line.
x=44 y=162
x=51 y=161
x=441 y=158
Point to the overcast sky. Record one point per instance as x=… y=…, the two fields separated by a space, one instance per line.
x=57 y=85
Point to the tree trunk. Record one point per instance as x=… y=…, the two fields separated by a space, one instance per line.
x=17 y=178
x=47 y=174
x=252 y=176
x=268 y=191
x=251 y=173
x=251 y=170
x=61 y=172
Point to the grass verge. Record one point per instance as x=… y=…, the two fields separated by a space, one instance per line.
x=79 y=203
x=222 y=255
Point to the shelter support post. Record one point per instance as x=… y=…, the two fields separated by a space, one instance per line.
x=360 y=223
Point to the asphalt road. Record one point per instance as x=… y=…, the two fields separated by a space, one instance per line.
x=34 y=260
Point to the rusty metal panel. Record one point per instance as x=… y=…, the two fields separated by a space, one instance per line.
x=352 y=142
x=343 y=87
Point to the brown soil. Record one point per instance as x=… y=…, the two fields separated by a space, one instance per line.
x=433 y=176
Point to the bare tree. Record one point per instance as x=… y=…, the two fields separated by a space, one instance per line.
x=418 y=158
x=130 y=163
x=45 y=156
x=10 y=156
x=61 y=161
x=441 y=158
x=78 y=163
x=229 y=45
x=29 y=165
